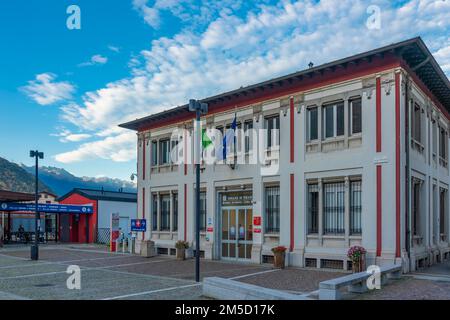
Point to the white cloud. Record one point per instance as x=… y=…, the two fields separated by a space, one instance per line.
x=233 y=51
x=45 y=91
x=67 y=136
x=114 y=48
x=120 y=148
x=97 y=59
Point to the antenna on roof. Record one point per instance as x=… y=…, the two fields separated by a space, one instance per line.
x=311 y=64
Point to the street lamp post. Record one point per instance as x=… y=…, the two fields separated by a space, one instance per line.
x=35 y=248
x=199 y=108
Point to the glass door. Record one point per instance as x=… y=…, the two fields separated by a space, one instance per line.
x=237 y=233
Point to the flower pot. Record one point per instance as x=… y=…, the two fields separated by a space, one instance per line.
x=358 y=264
x=278 y=260
x=181 y=254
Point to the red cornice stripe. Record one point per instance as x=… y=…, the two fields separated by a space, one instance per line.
x=378 y=114
x=329 y=77
x=379 y=210
x=397 y=164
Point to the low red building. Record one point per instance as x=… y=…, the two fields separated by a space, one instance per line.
x=95 y=227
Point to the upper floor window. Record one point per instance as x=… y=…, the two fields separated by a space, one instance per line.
x=355 y=116
x=248 y=126
x=313 y=121
x=443 y=143
x=164 y=152
x=416 y=123
x=333 y=120
x=154 y=153
x=272 y=125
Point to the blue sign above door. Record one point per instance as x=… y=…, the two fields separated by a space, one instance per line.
x=46 y=207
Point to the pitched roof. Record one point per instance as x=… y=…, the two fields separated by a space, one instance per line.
x=413 y=52
x=102 y=195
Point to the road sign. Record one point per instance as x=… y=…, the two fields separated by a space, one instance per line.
x=46 y=207
x=138 y=225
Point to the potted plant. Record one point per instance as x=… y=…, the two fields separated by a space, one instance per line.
x=181 y=247
x=357 y=255
x=278 y=257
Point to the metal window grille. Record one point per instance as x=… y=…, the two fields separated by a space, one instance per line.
x=334 y=208
x=313 y=208
x=355 y=207
x=443 y=208
x=416 y=210
x=175 y=212
x=272 y=209
x=165 y=213
x=154 y=212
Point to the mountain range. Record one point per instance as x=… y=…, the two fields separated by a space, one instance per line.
x=59 y=181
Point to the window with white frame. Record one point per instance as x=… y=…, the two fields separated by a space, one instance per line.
x=416 y=123
x=416 y=193
x=248 y=126
x=165 y=213
x=164 y=152
x=443 y=146
x=313 y=122
x=313 y=208
x=154 y=212
x=334 y=208
x=272 y=209
x=443 y=213
x=154 y=153
x=355 y=115
x=272 y=125
x=333 y=120
x=175 y=211
x=173 y=153
x=355 y=207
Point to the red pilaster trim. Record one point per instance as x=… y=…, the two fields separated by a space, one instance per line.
x=292 y=135
x=379 y=210
x=378 y=114
x=185 y=154
x=185 y=212
x=143 y=209
x=292 y=222
x=143 y=158
x=397 y=165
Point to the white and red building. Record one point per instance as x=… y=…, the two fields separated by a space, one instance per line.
x=361 y=158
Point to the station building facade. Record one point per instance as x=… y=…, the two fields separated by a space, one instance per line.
x=361 y=158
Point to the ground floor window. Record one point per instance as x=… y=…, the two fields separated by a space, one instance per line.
x=416 y=207
x=443 y=209
x=155 y=212
x=272 y=209
x=313 y=208
x=165 y=213
x=334 y=208
x=355 y=207
x=175 y=212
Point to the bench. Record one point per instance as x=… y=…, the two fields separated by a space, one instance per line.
x=226 y=289
x=356 y=283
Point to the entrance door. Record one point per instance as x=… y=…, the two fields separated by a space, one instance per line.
x=237 y=233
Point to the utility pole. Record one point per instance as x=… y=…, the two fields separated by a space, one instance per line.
x=199 y=108
x=35 y=248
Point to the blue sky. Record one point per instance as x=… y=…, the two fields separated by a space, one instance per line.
x=64 y=91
